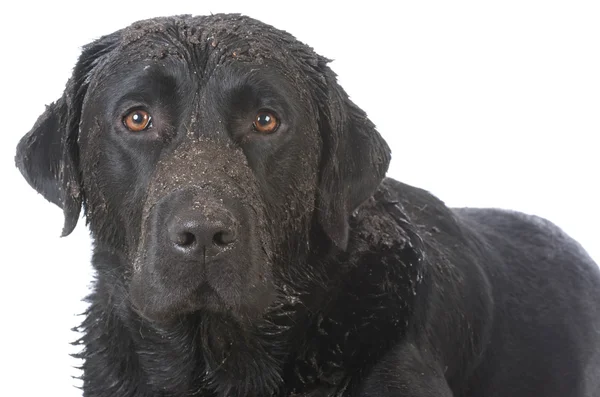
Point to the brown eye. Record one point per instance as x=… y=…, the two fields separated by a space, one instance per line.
x=265 y=122
x=137 y=120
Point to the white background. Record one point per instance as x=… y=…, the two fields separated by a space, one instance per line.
x=483 y=103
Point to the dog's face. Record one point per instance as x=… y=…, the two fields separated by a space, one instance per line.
x=205 y=151
x=204 y=174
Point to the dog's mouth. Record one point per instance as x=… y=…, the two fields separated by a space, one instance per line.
x=208 y=298
x=169 y=305
x=159 y=298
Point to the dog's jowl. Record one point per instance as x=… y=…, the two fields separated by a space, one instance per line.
x=247 y=242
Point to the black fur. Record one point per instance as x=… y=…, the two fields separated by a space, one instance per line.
x=336 y=282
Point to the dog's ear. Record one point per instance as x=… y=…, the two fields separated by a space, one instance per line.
x=354 y=160
x=48 y=155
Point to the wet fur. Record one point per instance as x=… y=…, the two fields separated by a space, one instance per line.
x=380 y=289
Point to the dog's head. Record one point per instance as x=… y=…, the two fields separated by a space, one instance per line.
x=206 y=151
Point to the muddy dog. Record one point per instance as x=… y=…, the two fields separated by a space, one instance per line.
x=247 y=242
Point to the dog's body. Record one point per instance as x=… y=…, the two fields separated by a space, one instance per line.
x=247 y=243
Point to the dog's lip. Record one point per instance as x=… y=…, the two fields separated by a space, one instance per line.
x=204 y=297
x=207 y=297
x=205 y=289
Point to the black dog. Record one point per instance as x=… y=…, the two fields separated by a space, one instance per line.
x=248 y=244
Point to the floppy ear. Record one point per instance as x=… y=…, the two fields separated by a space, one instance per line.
x=48 y=156
x=354 y=161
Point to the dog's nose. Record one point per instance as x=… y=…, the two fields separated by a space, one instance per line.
x=199 y=234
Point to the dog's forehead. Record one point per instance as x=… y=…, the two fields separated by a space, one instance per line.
x=216 y=40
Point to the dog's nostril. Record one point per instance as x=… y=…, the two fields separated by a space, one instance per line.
x=197 y=234
x=185 y=239
x=224 y=238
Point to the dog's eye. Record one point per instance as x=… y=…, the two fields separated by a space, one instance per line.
x=137 y=120
x=265 y=122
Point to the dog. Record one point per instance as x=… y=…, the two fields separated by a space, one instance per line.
x=248 y=243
